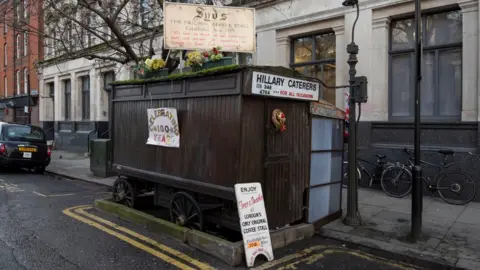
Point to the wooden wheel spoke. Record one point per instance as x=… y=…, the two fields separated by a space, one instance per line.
x=184 y=205
x=124 y=192
x=189 y=210
x=177 y=207
x=176 y=212
x=190 y=218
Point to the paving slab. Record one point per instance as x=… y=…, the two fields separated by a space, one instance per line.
x=449 y=232
x=75 y=166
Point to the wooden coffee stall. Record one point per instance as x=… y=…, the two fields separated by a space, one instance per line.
x=230 y=126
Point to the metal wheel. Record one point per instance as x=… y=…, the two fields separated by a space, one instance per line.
x=456 y=188
x=396 y=181
x=124 y=192
x=185 y=211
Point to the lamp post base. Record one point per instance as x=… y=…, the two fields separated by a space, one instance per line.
x=352 y=220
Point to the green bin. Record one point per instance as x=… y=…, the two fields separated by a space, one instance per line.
x=100 y=157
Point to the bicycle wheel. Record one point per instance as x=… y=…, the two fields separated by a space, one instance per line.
x=396 y=181
x=456 y=188
x=345 y=175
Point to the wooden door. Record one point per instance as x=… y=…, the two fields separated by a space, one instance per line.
x=284 y=186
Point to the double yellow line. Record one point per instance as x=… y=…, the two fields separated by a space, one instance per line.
x=80 y=213
x=313 y=254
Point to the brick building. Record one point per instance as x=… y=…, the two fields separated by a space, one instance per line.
x=20 y=47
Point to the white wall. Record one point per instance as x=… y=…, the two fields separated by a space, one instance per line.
x=276 y=23
x=73 y=70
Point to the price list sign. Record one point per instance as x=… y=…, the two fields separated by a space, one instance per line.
x=200 y=27
x=253 y=222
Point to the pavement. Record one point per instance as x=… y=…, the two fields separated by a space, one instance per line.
x=449 y=235
x=75 y=166
x=48 y=222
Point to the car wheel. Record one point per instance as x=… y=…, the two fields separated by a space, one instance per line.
x=39 y=170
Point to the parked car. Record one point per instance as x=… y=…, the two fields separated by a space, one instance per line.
x=24 y=146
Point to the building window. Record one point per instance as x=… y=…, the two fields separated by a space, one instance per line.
x=17 y=10
x=86 y=98
x=25 y=9
x=314 y=56
x=145 y=13
x=25 y=43
x=5 y=81
x=108 y=77
x=441 y=95
x=25 y=81
x=19 y=84
x=51 y=89
x=17 y=46
x=67 y=87
x=5 y=54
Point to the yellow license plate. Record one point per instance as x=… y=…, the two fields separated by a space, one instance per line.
x=27 y=149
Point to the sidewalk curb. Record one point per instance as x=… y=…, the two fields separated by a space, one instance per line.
x=391 y=251
x=68 y=176
x=232 y=253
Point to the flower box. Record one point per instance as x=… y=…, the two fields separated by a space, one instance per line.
x=156 y=73
x=225 y=61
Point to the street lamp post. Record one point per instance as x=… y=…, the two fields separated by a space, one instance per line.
x=352 y=218
x=417 y=191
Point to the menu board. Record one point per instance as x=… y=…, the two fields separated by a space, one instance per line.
x=253 y=222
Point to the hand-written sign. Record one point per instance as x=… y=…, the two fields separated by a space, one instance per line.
x=191 y=27
x=253 y=222
x=278 y=86
x=163 y=127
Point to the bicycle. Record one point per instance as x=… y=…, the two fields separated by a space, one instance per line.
x=439 y=183
x=380 y=165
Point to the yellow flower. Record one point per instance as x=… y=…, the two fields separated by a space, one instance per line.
x=149 y=63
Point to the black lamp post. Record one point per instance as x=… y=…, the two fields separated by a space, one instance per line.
x=352 y=218
x=417 y=196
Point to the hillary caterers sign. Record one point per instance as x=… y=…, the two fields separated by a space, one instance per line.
x=253 y=222
x=191 y=27
x=163 y=127
x=278 y=86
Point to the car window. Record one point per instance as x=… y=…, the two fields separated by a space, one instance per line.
x=23 y=133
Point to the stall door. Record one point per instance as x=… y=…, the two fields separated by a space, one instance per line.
x=284 y=185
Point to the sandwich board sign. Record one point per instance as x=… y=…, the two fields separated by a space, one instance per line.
x=253 y=222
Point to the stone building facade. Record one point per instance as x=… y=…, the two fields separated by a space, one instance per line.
x=312 y=36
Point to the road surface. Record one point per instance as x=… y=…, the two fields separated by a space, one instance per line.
x=47 y=222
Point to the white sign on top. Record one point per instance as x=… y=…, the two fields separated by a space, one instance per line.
x=253 y=222
x=278 y=86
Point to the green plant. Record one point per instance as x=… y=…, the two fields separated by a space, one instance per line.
x=197 y=59
x=149 y=65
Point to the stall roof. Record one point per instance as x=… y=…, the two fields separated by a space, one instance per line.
x=217 y=71
x=325 y=109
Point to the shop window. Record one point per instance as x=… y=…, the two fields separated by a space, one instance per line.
x=441 y=89
x=314 y=56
